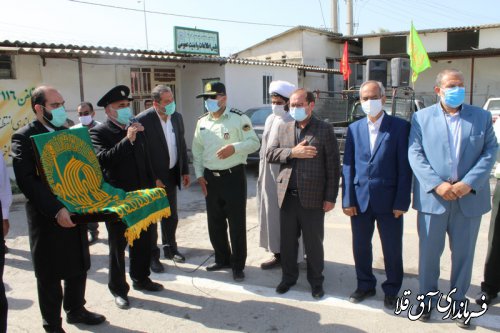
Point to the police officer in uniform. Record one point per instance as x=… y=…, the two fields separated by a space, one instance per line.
x=222 y=140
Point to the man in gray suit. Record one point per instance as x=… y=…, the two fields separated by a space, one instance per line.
x=308 y=185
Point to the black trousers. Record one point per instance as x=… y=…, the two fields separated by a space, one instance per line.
x=93 y=226
x=226 y=206
x=168 y=225
x=491 y=283
x=294 y=221
x=51 y=296
x=139 y=254
x=3 y=299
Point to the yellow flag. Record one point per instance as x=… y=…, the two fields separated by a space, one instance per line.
x=419 y=60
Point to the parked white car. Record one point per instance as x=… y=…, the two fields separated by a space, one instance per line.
x=493 y=105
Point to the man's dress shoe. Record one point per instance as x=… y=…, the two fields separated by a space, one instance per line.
x=173 y=254
x=274 y=262
x=360 y=295
x=217 y=267
x=317 y=292
x=122 y=302
x=147 y=285
x=156 y=266
x=283 y=287
x=238 y=275
x=83 y=316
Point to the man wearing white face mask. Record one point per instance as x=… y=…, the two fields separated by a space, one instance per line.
x=223 y=138
x=164 y=130
x=376 y=187
x=452 y=149
x=267 y=199
x=122 y=153
x=86 y=115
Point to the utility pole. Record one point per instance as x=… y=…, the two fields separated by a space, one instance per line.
x=145 y=24
x=335 y=16
x=349 y=22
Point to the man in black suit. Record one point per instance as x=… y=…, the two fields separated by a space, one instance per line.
x=121 y=151
x=164 y=131
x=59 y=248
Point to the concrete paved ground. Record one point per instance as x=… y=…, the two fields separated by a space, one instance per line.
x=195 y=300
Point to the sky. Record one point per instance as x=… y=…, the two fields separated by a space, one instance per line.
x=77 y=23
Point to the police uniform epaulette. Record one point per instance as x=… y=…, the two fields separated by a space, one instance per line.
x=238 y=112
x=203 y=115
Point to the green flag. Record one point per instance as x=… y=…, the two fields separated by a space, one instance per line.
x=73 y=173
x=419 y=60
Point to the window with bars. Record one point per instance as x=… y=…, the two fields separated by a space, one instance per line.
x=6 y=67
x=144 y=79
x=266 y=80
x=140 y=81
x=164 y=75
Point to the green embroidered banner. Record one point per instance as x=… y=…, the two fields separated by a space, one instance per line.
x=73 y=173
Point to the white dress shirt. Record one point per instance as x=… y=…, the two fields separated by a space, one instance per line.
x=373 y=129
x=5 y=190
x=168 y=131
x=496 y=128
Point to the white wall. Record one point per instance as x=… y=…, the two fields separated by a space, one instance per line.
x=98 y=78
x=371 y=46
x=274 y=48
x=434 y=42
x=486 y=74
x=300 y=46
x=486 y=82
x=191 y=85
x=62 y=74
x=317 y=48
x=27 y=68
x=489 y=38
x=244 y=84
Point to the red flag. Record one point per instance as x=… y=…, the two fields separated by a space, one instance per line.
x=345 y=69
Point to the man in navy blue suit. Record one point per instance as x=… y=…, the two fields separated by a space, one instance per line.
x=376 y=187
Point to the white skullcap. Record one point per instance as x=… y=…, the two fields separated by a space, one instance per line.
x=282 y=88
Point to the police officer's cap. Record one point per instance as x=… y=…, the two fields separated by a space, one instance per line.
x=213 y=88
x=118 y=93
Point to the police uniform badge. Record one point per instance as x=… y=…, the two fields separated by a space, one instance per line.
x=246 y=127
x=226 y=134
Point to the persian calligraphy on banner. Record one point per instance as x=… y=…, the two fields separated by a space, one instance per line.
x=73 y=174
x=15 y=111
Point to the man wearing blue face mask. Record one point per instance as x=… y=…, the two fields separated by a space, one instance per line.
x=376 y=187
x=308 y=184
x=222 y=140
x=122 y=153
x=164 y=130
x=267 y=199
x=59 y=248
x=452 y=149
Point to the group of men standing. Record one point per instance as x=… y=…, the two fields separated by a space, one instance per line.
x=60 y=248
x=450 y=147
